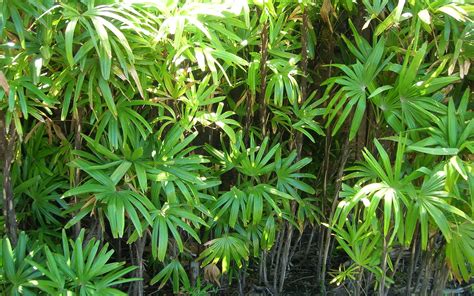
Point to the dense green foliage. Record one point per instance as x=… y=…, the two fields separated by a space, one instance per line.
x=185 y=145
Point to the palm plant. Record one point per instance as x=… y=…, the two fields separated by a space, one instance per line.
x=81 y=269
x=207 y=134
x=405 y=205
x=17 y=276
x=358 y=85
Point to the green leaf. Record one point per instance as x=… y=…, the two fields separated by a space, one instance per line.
x=357 y=119
x=67 y=101
x=107 y=94
x=142 y=176
x=69 y=39
x=434 y=151
x=120 y=171
x=424 y=16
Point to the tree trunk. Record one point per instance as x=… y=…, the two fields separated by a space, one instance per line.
x=249 y=116
x=285 y=255
x=327 y=239
x=383 y=267
x=412 y=261
x=277 y=260
x=358 y=283
x=77 y=172
x=441 y=278
x=298 y=146
x=263 y=78
x=310 y=241
x=9 y=214
x=137 y=287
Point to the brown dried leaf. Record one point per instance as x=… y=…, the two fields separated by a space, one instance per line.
x=466 y=66
x=212 y=274
x=58 y=132
x=326 y=11
x=4 y=83
x=32 y=131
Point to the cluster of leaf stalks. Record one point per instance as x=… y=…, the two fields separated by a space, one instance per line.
x=202 y=147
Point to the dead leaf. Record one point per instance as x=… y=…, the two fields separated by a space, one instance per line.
x=467 y=65
x=326 y=11
x=58 y=132
x=4 y=83
x=212 y=274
